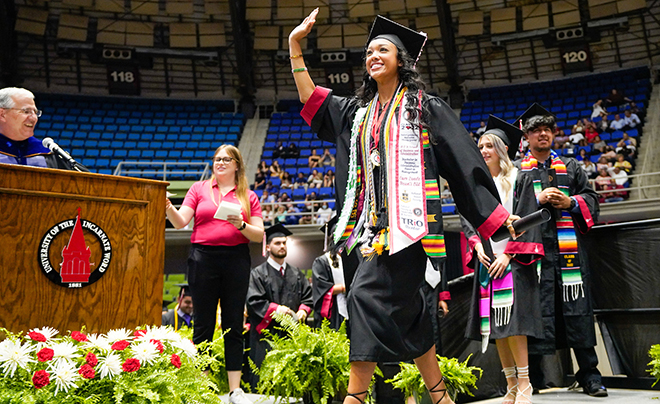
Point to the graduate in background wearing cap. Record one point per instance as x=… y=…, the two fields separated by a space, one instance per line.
x=505 y=300
x=393 y=142
x=181 y=314
x=275 y=286
x=328 y=284
x=563 y=188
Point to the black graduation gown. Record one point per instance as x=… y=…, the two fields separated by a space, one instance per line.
x=526 y=310
x=268 y=289
x=324 y=302
x=575 y=327
x=389 y=318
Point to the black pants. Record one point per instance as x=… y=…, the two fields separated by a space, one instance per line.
x=220 y=273
x=587 y=363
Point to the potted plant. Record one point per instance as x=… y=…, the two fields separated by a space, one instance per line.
x=654 y=353
x=460 y=378
x=308 y=363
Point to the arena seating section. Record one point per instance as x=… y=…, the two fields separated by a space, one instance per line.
x=101 y=132
x=289 y=127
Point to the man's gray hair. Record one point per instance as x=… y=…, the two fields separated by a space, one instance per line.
x=7 y=94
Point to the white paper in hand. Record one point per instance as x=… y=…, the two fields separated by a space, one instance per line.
x=227 y=208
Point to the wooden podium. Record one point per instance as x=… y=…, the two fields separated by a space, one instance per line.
x=122 y=222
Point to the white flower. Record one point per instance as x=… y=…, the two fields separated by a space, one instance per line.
x=64 y=352
x=146 y=352
x=118 y=335
x=162 y=333
x=13 y=355
x=64 y=375
x=47 y=332
x=99 y=342
x=186 y=346
x=109 y=366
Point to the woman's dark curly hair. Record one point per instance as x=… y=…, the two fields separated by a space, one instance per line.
x=410 y=78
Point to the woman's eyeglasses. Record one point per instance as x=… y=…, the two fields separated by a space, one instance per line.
x=225 y=160
x=27 y=111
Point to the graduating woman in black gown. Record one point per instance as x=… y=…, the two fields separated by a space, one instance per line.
x=393 y=141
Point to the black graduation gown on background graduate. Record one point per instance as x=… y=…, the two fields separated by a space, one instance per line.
x=267 y=289
x=392 y=323
x=322 y=285
x=578 y=315
x=526 y=311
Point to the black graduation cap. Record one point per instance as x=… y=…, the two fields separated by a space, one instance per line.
x=185 y=289
x=509 y=134
x=277 y=230
x=398 y=34
x=534 y=110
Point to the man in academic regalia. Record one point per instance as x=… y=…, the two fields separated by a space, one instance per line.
x=562 y=187
x=275 y=287
x=181 y=314
x=18 y=118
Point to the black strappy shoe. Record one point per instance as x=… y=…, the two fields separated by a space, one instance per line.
x=434 y=389
x=355 y=396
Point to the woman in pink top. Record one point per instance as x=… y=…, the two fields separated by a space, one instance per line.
x=219 y=259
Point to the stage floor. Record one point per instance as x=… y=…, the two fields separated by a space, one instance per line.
x=557 y=395
x=563 y=395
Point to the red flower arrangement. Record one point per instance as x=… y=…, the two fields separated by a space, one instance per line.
x=45 y=354
x=91 y=359
x=131 y=365
x=78 y=336
x=120 y=345
x=87 y=371
x=158 y=344
x=40 y=379
x=37 y=336
x=176 y=361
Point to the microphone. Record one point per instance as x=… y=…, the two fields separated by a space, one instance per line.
x=50 y=143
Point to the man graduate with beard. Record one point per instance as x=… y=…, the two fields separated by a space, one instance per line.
x=275 y=287
x=562 y=187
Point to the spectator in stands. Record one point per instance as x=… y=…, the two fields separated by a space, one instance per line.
x=259 y=181
x=617 y=123
x=599 y=146
x=327 y=158
x=280 y=214
x=635 y=110
x=631 y=141
x=182 y=313
x=616 y=98
x=577 y=138
x=603 y=125
x=264 y=169
x=323 y=213
x=18 y=118
x=314 y=160
x=561 y=139
x=589 y=168
x=301 y=181
x=619 y=175
x=280 y=150
x=603 y=164
x=578 y=127
x=286 y=181
x=292 y=152
x=623 y=164
x=315 y=179
x=590 y=132
x=625 y=149
x=598 y=110
x=602 y=179
x=270 y=187
x=268 y=214
x=480 y=130
x=631 y=120
x=267 y=197
x=284 y=198
x=275 y=169
x=328 y=179
x=609 y=154
x=219 y=260
x=293 y=217
x=309 y=201
x=582 y=155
